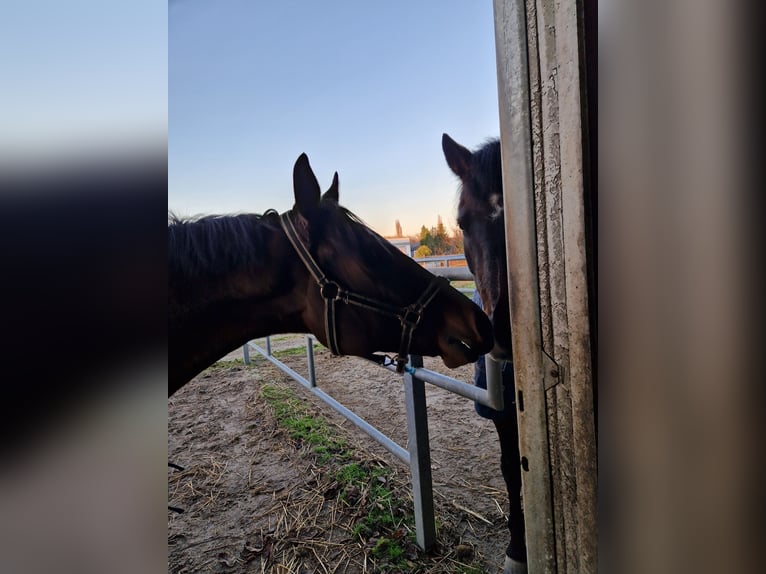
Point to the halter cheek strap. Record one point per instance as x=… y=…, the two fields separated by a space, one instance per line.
x=409 y=316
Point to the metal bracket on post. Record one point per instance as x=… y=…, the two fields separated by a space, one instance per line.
x=552 y=372
x=420 y=456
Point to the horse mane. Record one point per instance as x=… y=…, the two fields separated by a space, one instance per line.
x=487 y=170
x=215 y=245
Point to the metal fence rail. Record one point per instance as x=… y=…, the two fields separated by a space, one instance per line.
x=453 y=267
x=376 y=434
x=442 y=261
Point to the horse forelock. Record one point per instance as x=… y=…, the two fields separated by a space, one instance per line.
x=482 y=191
x=487 y=172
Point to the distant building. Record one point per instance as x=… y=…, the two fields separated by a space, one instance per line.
x=404 y=244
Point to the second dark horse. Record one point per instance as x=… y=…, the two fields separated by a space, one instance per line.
x=480 y=217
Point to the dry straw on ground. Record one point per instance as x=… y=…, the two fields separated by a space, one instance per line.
x=257 y=499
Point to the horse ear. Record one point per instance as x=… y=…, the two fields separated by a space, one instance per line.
x=305 y=186
x=332 y=193
x=458 y=158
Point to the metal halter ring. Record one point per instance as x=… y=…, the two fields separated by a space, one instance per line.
x=330 y=291
x=416 y=313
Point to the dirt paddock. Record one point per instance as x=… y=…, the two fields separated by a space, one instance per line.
x=257 y=500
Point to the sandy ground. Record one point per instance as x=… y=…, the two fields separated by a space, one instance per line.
x=242 y=475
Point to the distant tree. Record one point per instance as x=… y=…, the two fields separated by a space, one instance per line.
x=427 y=238
x=440 y=229
x=422 y=251
x=439 y=241
x=456 y=241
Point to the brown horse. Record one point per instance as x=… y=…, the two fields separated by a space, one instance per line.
x=317 y=269
x=480 y=217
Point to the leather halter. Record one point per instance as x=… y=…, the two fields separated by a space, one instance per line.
x=331 y=291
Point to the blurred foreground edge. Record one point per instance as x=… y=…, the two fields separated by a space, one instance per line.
x=83 y=267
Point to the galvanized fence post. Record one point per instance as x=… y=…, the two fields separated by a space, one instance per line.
x=310 y=359
x=246 y=353
x=420 y=456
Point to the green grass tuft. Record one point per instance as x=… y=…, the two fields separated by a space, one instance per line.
x=389 y=549
x=351 y=474
x=294 y=351
x=369 y=483
x=308 y=429
x=227 y=364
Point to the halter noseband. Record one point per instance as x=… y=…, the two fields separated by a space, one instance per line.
x=331 y=292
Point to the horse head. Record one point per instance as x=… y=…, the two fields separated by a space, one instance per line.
x=480 y=217
x=368 y=296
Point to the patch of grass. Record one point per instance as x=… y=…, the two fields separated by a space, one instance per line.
x=385 y=520
x=224 y=364
x=326 y=454
x=309 y=430
x=351 y=474
x=281 y=399
x=281 y=337
x=364 y=485
x=294 y=351
x=389 y=550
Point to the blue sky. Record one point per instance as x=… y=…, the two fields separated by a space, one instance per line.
x=364 y=88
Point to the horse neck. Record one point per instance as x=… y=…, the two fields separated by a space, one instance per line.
x=209 y=318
